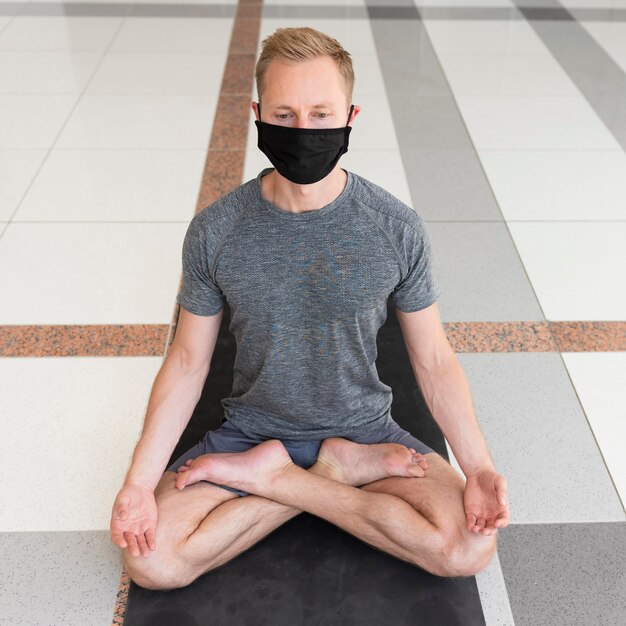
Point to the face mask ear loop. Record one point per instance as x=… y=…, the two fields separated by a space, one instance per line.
x=349 y=114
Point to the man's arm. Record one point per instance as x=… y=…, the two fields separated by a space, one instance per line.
x=175 y=393
x=444 y=386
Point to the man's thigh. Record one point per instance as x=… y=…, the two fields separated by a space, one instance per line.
x=438 y=495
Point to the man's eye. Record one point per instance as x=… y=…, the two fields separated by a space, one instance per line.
x=324 y=115
x=282 y=116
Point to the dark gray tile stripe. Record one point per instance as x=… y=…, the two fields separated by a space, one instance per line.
x=398 y=11
x=432 y=136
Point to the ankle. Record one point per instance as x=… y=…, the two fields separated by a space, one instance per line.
x=327 y=471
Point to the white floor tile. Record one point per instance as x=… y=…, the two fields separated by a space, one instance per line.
x=59 y=33
x=599 y=382
x=464 y=3
x=373 y=128
x=159 y=73
x=534 y=122
x=90 y=273
x=507 y=75
x=594 y=4
x=611 y=36
x=36 y=118
x=575 y=268
x=494 y=597
x=229 y=2
x=498 y=37
x=70 y=425
x=115 y=186
x=59 y=71
x=315 y=2
x=17 y=170
x=368 y=76
x=382 y=167
x=558 y=185
x=177 y=34
x=539 y=439
x=255 y=161
x=218 y=2
x=140 y=122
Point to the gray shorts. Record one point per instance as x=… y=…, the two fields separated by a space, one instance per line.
x=228 y=438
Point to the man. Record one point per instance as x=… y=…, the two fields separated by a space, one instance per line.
x=306 y=256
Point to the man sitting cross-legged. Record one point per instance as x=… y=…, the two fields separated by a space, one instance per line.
x=306 y=255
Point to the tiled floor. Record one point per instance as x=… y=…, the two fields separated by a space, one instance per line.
x=502 y=122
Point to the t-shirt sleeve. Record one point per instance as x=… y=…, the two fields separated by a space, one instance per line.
x=417 y=288
x=200 y=294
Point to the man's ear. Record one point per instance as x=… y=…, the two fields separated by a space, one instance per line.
x=355 y=112
x=255 y=108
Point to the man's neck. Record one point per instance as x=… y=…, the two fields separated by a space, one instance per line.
x=300 y=198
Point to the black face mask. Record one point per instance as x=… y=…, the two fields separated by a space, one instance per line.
x=303 y=155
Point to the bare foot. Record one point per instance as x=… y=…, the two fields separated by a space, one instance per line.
x=237 y=469
x=357 y=464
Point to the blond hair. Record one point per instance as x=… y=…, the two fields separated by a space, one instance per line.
x=303 y=44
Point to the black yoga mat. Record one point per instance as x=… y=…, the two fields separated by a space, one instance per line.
x=308 y=571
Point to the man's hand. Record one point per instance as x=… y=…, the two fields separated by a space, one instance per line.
x=486 y=502
x=134 y=519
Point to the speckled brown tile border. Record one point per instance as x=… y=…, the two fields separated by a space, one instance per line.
x=589 y=336
x=536 y=336
x=84 y=340
x=150 y=339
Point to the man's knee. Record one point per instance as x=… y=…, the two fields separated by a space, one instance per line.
x=156 y=572
x=468 y=553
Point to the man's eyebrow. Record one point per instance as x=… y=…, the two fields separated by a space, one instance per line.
x=323 y=105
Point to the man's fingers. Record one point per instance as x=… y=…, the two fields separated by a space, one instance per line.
x=501 y=489
x=151 y=538
x=121 y=508
x=118 y=538
x=131 y=540
x=143 y=546
x=503 y=520
x=471 y=521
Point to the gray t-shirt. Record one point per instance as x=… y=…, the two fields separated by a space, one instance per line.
x=307 y=294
